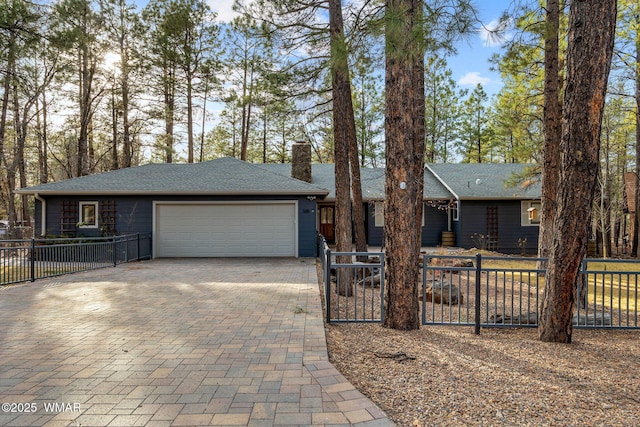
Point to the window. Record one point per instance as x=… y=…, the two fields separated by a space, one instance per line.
x=378 y=211
x=88 y=215
x=326 y=215
x=455 y=211
x=379 y=214
x=530 y=211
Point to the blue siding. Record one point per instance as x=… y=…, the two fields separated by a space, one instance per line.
x=473 y=219
x=374 y=234
x=135 y=215
x=435 y=222
x=307 y=228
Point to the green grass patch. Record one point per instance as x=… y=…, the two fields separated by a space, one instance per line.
x=614 y=284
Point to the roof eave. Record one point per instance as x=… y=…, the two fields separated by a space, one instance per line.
x=442 y=182
x=378 y=199
x=480 y=198
x=320 y=193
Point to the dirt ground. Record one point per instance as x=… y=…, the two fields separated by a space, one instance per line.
x=448 y=376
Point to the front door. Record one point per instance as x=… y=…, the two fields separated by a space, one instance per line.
x=326 y=222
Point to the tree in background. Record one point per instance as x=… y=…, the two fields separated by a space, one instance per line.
x=443 y=110
x=617 y=134
x=515 y=124
x=248 y=50
x=199 y=37
x=161 y=59
x=590 y=48
x=79 y=36
x=20 y=92
x=125 y=33
x=368 y=106
x=475 y=136
x=519 y=111
x=628 y=61
x=182 y=37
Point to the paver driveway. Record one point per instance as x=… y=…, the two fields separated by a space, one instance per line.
x=174 y=342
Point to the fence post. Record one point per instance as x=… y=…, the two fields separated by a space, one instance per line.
x=115 y=253
x=382 y=285
x=327 y=282
x=478 y=283
x=423 y=290
x=33 y=259
x=138 y=247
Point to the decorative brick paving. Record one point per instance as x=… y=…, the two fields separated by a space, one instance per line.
x=174 y=342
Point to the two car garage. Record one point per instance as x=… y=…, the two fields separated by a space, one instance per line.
x=225 y=229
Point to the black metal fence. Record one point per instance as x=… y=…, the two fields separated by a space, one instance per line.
x=609 y=295
x=480 y=291
x=353 y=284
x=32 y=259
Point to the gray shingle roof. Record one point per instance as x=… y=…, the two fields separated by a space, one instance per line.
x=486 y=180
x=223 y=176
x=372 y=180
x=229 y=176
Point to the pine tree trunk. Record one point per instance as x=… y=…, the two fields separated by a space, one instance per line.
x=404 y=137
x=190 y=143
x=357 y=204
x=114 y=129
x=342 y=105
x=127 y=152
x=590 y=47
x=635 y=238
x=552 y=122
x=82 y=167
x=169 y=109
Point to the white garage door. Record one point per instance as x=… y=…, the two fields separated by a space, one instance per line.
x=225 y=230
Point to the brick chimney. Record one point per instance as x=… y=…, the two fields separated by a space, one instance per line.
x=301 y=161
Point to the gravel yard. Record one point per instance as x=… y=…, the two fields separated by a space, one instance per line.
x=447 y=376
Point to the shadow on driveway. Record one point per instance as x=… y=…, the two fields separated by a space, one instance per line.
x=174 y=342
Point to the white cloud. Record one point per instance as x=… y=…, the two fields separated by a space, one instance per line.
x=472 y=79
x=224 y=9
x=495 y=33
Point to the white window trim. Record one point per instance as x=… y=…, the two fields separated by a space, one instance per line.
x=81 y=206
x=378 y=214
x=525 y=206
x=456 y=211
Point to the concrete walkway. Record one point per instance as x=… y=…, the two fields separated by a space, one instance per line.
x=174 y=342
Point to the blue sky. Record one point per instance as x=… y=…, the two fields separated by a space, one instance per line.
x=469 y=67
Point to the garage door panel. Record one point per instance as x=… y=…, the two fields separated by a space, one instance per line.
x=225 y=230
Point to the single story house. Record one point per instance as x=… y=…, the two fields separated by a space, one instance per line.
x=490 y=210
x=231 y=208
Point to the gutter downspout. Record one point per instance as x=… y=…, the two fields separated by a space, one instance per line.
x=43 y=220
